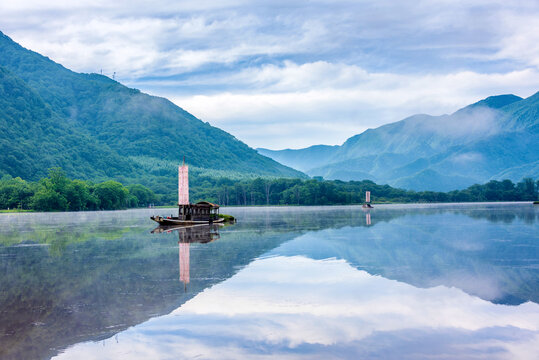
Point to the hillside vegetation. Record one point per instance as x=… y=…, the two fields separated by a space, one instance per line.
x=96 y=129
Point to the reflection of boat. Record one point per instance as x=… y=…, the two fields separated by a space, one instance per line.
x=193 y=234
x=201 y=233
x=187 y=235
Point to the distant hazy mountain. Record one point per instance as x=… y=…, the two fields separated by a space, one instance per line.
x=302 y=159
x=495 y=138
x=94 y=127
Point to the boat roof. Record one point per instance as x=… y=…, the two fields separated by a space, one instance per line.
x=207 y=203
x=202 y=204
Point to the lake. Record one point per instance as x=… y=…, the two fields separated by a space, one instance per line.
x=451 y=281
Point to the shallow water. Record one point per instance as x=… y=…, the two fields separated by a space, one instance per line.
x=396 y=282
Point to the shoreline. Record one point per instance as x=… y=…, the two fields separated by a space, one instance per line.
x=375 y=204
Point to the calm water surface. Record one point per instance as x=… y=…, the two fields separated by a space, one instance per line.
x=397 y=282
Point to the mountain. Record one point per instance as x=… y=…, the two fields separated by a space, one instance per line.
x=96 y=128
x=33 y=138
x=493 y=139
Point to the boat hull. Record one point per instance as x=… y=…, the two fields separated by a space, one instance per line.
x=175 y=221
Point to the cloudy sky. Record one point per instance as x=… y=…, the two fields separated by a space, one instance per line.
x=289 y=74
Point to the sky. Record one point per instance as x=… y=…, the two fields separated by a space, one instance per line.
x=290 y=74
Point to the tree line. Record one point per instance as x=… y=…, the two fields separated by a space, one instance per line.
x=334 y=192
x=59 y=193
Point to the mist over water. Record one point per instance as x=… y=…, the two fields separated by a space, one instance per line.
x=399 y=281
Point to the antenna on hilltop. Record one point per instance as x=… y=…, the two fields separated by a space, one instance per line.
x=114 y=75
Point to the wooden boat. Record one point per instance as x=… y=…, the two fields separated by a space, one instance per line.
x=174 y=220
x=202 y=212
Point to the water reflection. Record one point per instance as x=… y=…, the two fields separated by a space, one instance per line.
x=99 y=286
x=110 y=274
x=300 y=308
x=189 y=234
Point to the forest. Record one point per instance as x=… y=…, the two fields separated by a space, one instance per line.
x=57 y=192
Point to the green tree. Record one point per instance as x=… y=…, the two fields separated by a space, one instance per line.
x=15 y=193
x=526 y=188
x=46 y=199
x=111 y=195
x=78 y=196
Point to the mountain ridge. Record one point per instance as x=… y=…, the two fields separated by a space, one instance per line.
x=109 y=120
x=472 y=145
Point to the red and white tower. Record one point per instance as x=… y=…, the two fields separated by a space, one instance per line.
x=183 y=184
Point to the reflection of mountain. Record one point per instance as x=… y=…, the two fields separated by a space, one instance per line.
x=97 y=288
x=497 y=262
x=104 y=282
x=293 y=307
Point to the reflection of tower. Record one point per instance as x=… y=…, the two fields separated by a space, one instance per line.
x=184 y=263
x=368 y=218
x=192 y=234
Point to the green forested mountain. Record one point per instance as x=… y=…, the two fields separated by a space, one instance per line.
x=34 y=138
x=96 y=128
x=496 y=138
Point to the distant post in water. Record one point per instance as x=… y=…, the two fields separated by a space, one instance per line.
x=367 y=204
x=183 y=184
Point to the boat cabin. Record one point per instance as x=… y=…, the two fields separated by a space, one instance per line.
x=201 y=211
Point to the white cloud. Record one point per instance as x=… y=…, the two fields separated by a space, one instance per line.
x=299 y=308
x=521 y=42
x=300 y=105
x=281 y=74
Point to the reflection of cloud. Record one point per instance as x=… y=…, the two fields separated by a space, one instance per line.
x=301 y=308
